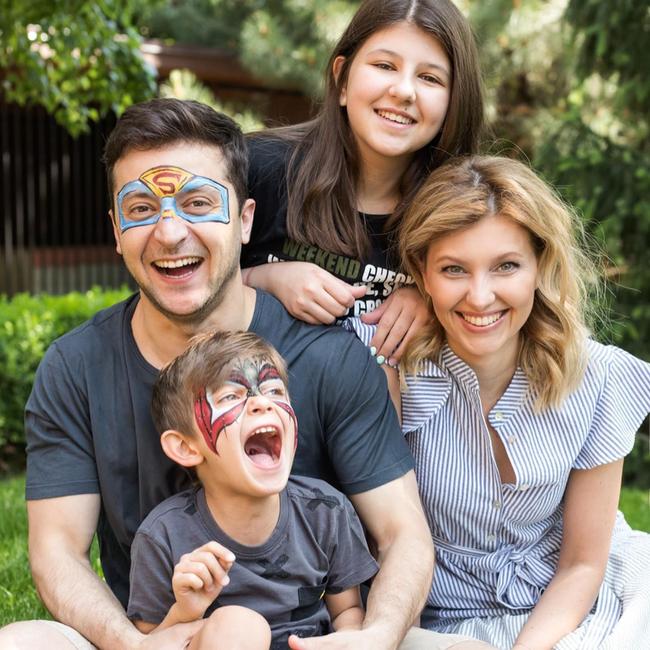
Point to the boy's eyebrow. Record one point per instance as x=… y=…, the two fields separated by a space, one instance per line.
x=268 y=372
x=238 y=378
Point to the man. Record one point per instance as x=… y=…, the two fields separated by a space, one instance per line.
x=177 y=175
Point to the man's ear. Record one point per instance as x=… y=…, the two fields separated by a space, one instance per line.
x=181 y=448
x=116 y=232
x=246 y=219
x=337 y=66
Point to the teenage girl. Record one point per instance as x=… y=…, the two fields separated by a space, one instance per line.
x=403 y=94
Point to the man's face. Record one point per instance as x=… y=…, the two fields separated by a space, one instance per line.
x=177 y=226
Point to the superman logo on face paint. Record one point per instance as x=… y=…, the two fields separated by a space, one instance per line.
x=166 y=192
x=247 y=379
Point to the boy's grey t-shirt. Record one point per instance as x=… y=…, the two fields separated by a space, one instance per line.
x=317 y=547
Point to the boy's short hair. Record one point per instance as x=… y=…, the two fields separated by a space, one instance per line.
x=203 y=366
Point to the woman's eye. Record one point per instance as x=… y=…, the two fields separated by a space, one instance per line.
x=383 y=66
x=453 y=269
x=508 y=266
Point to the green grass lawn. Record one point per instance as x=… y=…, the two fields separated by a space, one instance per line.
x=18 y=599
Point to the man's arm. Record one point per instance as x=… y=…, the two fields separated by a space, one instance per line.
x=393 y=516
x=60 y=533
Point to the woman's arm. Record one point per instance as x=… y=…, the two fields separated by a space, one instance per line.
x=307 y=292
x=590 y=505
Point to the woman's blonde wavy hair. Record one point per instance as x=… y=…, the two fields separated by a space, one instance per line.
x=460 y=193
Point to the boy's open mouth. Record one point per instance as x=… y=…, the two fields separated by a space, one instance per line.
x=263 y=447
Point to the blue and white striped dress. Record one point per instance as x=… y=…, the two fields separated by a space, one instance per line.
x=497 y=545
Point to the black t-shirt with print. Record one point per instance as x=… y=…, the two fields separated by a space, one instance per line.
x=267 y=181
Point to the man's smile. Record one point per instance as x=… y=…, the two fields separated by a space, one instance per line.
x=178 y=268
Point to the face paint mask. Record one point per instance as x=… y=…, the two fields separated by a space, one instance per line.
x=166 y=192
x=248 y=378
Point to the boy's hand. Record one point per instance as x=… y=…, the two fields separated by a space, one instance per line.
x=199 y=578
x=398 y=319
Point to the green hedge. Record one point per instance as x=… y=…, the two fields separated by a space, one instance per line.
x=28 y=324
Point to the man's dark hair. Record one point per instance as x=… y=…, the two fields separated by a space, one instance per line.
x=164 y=122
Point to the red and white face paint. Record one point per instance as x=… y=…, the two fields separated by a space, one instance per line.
x=214 y=411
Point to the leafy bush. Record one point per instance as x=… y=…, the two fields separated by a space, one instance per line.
x=28 y=324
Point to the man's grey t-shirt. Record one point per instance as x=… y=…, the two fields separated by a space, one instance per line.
x=317 y=547
x=89 y=427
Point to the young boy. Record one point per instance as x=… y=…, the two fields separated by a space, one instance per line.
x=260 y=555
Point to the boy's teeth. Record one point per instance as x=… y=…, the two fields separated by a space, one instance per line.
x=394 y=117
x=482 y=321
x=176 y=264
x=265 y=430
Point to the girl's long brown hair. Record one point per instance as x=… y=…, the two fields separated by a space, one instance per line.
x=324 y=167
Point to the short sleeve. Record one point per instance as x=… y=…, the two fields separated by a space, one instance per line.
x=621 y=406
x=362 y=331
x=60 y=450
x=364 y=440
x=151 y=595
x=350 y=561
x=267 y=185
x=424 y=396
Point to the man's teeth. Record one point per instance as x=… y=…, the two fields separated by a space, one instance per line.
x=482 y=321
x=394 y=117
x=177 y=264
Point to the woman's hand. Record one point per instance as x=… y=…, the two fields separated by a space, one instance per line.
x=590 y=504
x=307 y=292
x=398 y=319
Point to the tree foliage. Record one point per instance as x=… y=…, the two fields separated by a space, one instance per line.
x=280 y=41
x=78 y=59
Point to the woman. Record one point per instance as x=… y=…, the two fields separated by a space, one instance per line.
x=519 y=422
x=403 y=94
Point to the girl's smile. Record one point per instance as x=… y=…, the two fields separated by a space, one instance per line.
x=397 y=91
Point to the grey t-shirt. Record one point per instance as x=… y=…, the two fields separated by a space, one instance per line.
x=317 y=547
x=89 y=427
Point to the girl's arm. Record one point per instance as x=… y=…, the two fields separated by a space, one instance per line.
x=307 y=292
x=590 y=504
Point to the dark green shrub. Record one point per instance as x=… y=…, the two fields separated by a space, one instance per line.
x=28 y=324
